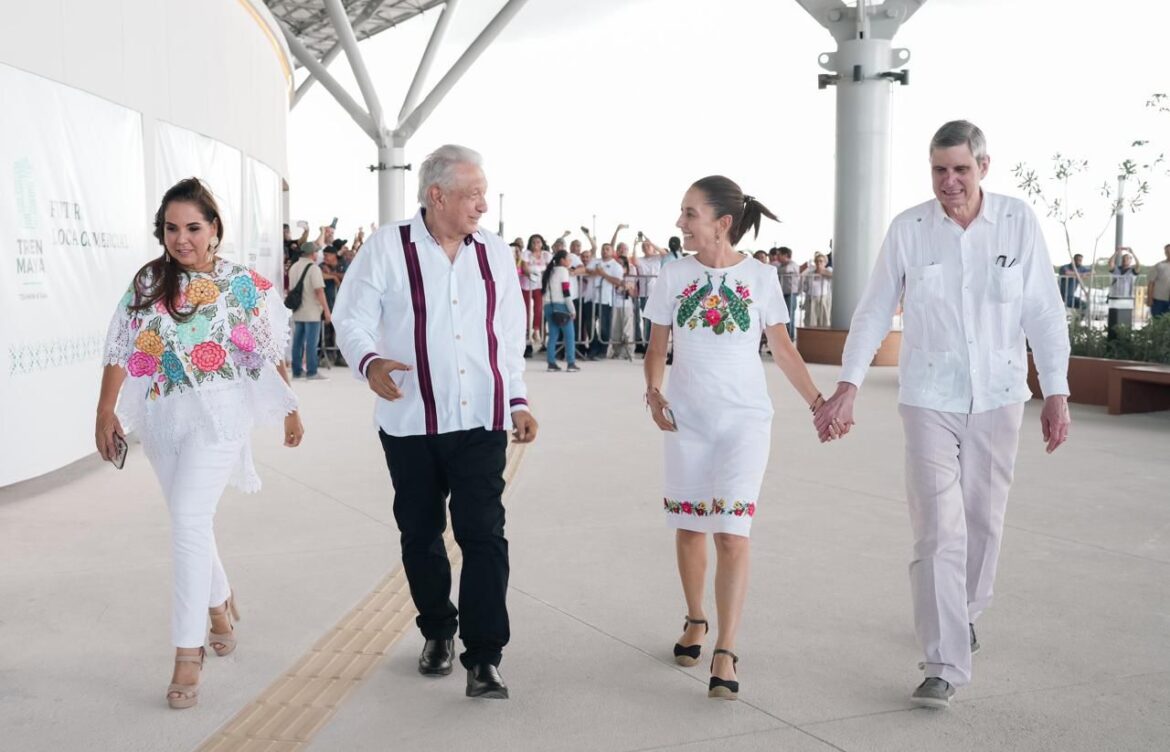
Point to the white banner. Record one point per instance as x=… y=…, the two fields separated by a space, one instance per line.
x=264 y=234
x=181 y=153
x=72 y=234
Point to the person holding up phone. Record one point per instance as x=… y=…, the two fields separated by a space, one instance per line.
x=716 y=413
x=202 y=341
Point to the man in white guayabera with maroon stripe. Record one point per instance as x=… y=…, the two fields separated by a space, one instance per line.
x=432 y=318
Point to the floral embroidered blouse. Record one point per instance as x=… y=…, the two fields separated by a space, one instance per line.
x=212 y=376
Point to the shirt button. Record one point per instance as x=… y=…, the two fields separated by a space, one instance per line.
x=463 y=371
x=458 y=336
x=465 y=403
x=970 y=342
x=454 y=302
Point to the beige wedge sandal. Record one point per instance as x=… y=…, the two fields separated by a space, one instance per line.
x=187 y=695
x=223 y=644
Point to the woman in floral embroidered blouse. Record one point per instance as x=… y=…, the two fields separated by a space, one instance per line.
x=718 y=420
x=202 y=341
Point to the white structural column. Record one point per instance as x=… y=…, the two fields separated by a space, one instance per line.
x=391 y=144
x=863 y=68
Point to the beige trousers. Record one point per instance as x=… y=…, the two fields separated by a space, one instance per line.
x=958 y=474
x=817 y=310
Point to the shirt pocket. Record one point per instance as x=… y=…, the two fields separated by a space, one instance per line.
x=1007 y=371
x=931 y=373
x=1006 y=283
x=924 y=283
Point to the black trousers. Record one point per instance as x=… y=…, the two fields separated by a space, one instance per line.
x=468 y=466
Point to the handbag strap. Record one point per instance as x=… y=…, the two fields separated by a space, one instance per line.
x=301 y=282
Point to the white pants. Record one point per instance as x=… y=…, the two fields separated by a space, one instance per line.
x=958 y=474
x=193 y=478
x=817 y=311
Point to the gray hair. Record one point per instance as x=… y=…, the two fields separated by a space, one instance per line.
x=960 y=133
x=439 y=168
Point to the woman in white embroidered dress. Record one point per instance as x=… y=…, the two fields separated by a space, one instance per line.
x=718 y=420
x=202 y=340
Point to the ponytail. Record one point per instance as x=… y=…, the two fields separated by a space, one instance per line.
x=726 y=198
x=753 y=212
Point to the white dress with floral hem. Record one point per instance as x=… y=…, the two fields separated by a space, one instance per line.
x=715 y=462
x=213 y=376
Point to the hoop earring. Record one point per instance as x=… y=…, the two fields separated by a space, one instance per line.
x=214 y=244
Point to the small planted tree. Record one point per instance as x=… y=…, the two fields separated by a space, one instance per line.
x=1053 y=192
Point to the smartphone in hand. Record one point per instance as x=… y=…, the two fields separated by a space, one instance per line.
x=669 y=415
x=120 y=451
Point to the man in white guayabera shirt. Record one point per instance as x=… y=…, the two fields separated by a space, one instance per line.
x=431 y=316
x=978 y=282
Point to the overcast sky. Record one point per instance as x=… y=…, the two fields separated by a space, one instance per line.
x=613 y=107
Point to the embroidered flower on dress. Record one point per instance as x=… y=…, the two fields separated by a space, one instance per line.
x=208 y=357
x=160 y=305
x=247 y=359
x=141 y=364
x=202 y=291
x=172 y=366
x=715 y=306
x=150 y=343
x=242 y=338
x=259 y=280
x=194 y=330
x=245 y=291
x=717 y=506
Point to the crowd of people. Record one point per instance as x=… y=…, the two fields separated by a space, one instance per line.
x=315 y=268
x=1077 y=280
x=596 y=296
x=597 y=302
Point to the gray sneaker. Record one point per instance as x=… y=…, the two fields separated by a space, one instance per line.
x=974 y=642
x=317 y=377
x=933 y=692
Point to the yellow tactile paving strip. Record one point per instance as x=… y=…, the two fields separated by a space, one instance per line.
x=288 y=714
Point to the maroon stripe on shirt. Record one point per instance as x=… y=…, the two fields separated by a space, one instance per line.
x=489 y=285
x=365 y=360
x=418 y=300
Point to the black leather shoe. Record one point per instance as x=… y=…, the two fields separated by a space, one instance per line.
x=435 y=659
x=484 y=680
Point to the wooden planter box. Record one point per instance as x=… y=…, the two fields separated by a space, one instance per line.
x=825 y=346
x=1088 y=378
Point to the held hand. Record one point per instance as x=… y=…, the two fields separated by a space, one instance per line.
x=378 y=374
x=658 y=404
x=107 y=426
x=294 y=430
x=834 y=418
x=1055 y=421
x=525 y=427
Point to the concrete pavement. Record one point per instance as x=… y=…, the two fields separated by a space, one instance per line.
x=1073 y=658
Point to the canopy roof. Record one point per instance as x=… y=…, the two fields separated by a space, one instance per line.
x=309 y=21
